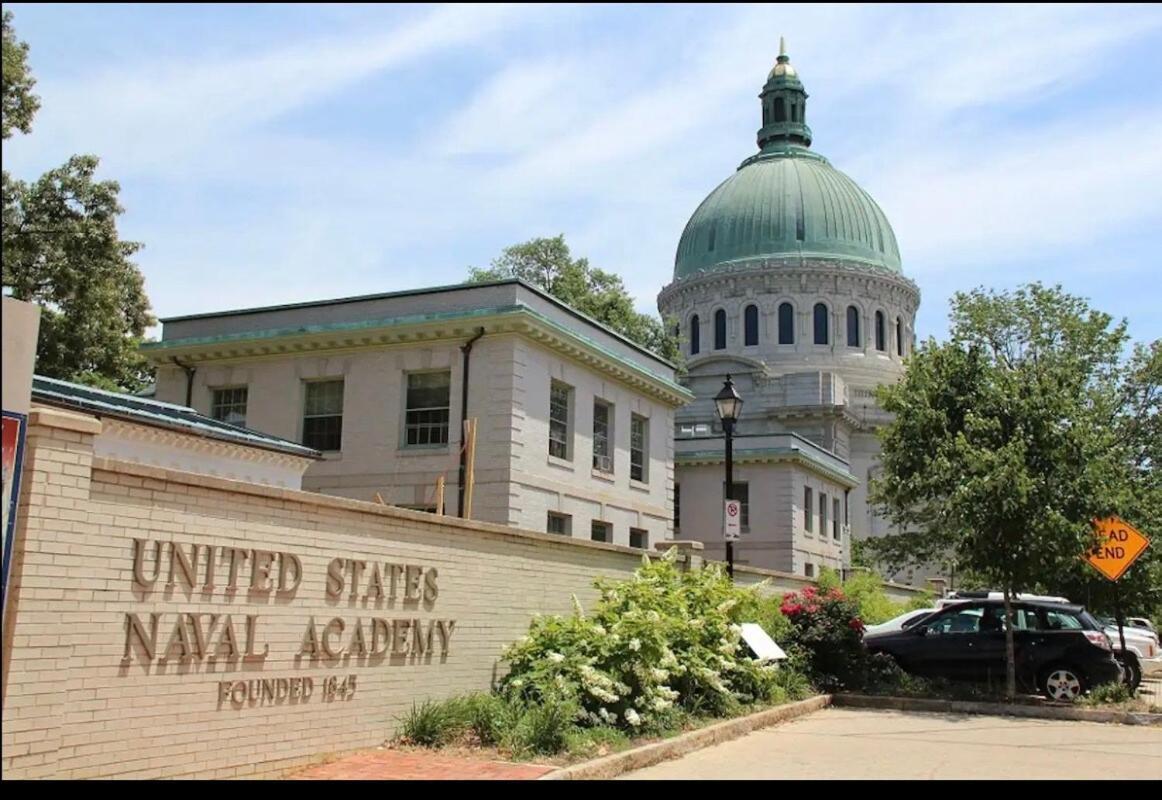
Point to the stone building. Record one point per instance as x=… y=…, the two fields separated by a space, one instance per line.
x=788 y=278
x=574 y=421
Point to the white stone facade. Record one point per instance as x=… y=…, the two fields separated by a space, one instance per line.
x=528 y=343
x=823 y=393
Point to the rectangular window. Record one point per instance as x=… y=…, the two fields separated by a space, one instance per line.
x=677 y=507
x=741 y=494
x=835 y=532
x=822 y=514
x=638 y=448
x=602 y=436
x=600 y=531
x=559 y=397
x=558 y=523
x=323 y=415
x=229 y=405
x=809 y=570
x=808 y=509
x=428 y=408
x=639 y=538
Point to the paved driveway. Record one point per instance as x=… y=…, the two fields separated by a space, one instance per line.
x=850 y=743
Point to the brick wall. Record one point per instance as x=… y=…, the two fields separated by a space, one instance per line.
x=84 y=697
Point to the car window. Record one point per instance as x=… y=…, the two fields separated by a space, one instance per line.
x=912 y=620
x=1049 y=620
x=964 y=620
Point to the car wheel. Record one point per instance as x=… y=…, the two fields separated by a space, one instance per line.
x=1062 y=683
x=1131 y=671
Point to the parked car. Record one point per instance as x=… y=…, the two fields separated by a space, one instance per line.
x=1141 y=622
x=1061 y=650
x=1142 y=655
x=901 y=622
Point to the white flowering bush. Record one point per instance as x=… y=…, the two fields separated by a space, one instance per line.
x=654 y=649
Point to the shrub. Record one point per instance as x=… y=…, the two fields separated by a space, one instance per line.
x=543 y=728
x=433 y=724
x=594 y=742
x=1108 y=693
x=655 y=648
x=829 y=633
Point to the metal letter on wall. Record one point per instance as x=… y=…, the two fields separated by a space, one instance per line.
x=13 y=459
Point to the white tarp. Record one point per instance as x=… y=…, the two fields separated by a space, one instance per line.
x=761 y=643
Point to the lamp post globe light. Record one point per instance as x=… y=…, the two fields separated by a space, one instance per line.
x=728 y=402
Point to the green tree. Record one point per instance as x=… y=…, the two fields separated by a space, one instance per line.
x=548 y=264
x=1008 y=440
x=19 y=103
x=61 y=250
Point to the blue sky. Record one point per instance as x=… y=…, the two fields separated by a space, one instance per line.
x=270 y=154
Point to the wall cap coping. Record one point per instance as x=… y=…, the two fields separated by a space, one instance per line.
x=119 y=466
x=64 y=420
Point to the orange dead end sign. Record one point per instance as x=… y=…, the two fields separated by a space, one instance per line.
x=1121 y=544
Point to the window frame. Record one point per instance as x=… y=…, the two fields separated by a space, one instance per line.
x=408 y=411
x=215 y=405
x=608 y=438
x=304 y=416
x=787 y=321
x=566 y=441
x=642 y=469
x=566 y=523
x=751 y=321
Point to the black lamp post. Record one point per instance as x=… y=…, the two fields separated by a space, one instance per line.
x=729 y=405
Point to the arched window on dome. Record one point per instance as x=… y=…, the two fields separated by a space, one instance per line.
x=751 y=325
x=853 y=326
x=695 y=336
x=899 y=337
x=786 y=324
x=780 y=110
x=821 y=324
x=720 y=330
x=880 y=344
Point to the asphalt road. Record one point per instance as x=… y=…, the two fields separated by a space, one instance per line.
x=850 y=743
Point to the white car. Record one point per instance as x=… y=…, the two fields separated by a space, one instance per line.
x=905 y=620
x=1143 y=655
x=1142 y=622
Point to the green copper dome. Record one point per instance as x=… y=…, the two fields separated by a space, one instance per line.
x=785 y=201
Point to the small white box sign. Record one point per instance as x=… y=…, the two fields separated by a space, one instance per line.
x=732 y=520
x=761 y=643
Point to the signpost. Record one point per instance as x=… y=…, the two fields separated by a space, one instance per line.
x=1119 y=546
x=731 y=520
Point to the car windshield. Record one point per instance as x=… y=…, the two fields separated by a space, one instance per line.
x=912 y=620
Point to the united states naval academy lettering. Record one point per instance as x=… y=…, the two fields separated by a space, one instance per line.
x=223 y=571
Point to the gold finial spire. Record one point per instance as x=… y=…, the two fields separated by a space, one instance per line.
x=782 y=46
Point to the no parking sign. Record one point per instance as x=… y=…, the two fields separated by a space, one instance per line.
x=732 y=520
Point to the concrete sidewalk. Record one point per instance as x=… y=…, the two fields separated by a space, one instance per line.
x=845 y=743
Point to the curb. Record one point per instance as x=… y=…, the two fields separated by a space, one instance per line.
x=647 y=755
x=997 y=709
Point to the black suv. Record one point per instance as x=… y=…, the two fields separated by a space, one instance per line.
x=1060 y=649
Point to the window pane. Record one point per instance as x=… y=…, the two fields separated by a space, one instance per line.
x=720 y=330
x=695 y=335
x=852 y=326
x=229 y=405
x=559 y=420
x=323 y=433
x=880 y=331
x=637 y=448
x=602 y=455
x=786 y=324
x=324 y=397
x=639 y=538
x=558 y=523
x=677 y=506
x=599 y=531
x=899 y=337
x=323 y=415
x=808 y=510
x=427 y=416
x=820 y=324
x=752 y=325
x=822 y=514
x=835 y=519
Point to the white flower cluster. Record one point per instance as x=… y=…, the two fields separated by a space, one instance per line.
x=598 y=685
